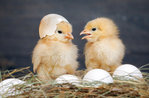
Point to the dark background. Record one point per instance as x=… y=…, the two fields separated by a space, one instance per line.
x=19 y=22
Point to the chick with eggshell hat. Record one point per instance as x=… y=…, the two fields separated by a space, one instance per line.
x=49 y=23
x=54 y=54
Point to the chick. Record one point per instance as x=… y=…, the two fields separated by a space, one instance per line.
x=55 y=54
x=103 y=49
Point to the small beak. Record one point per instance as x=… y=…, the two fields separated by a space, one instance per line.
x=69 y=36
x=88 y=34
x=84 y=32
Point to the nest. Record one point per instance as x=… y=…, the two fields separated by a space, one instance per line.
x=36 y=88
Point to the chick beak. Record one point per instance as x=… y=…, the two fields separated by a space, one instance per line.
x=88 y=34
x=69 y=36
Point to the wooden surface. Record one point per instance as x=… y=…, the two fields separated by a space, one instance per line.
x=19 y=21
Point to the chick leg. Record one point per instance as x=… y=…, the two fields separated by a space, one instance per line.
x=57 y=71
x=112 y=68
x=69 y=69
x=105 y=67
x=43 y=74
x=92 y=64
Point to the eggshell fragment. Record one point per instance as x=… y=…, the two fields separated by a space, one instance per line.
x=71 y=79
x=7 y=87
x=127 y=72
x=97 y=77
x=49 y=23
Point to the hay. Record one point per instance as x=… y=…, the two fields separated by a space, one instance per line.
x=36 y=88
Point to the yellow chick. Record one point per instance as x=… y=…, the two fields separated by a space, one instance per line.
x=54 y=54
x=104 y=48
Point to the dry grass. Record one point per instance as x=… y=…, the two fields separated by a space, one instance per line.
x=35 y=88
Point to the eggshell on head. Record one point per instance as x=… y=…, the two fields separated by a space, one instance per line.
x=49 y=23
x=99 y=76
x=71 y=79
x=8 y=87
x=127 y=72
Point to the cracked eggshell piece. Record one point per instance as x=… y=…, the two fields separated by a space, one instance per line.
x=97 y=77
x=7 y=87
x=48 y=24
x=67 y=78
x=128 y=72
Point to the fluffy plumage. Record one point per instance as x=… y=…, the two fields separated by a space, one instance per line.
x=56 y=54
x=104 y=48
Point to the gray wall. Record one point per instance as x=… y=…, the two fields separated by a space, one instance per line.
x=19 y=21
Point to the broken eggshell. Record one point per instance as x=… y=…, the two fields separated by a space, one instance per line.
x=49 y=23
x=127 y=72
x=97 y=77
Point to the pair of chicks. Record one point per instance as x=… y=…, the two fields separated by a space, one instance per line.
x=55 y=54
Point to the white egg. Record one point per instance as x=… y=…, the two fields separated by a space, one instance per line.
x=71 y=79
x=49 y=23
x=127 y=72
x=97 y=77
x=7 y=87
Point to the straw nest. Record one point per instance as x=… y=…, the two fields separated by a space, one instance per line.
x=36 y=88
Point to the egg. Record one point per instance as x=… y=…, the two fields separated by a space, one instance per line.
x=7 y=87
x=67 y=78
x=97 y=77
x=127 y=72
x=49 y=23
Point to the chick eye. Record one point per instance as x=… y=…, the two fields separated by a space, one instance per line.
x=60 y=32
x=93 y=29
